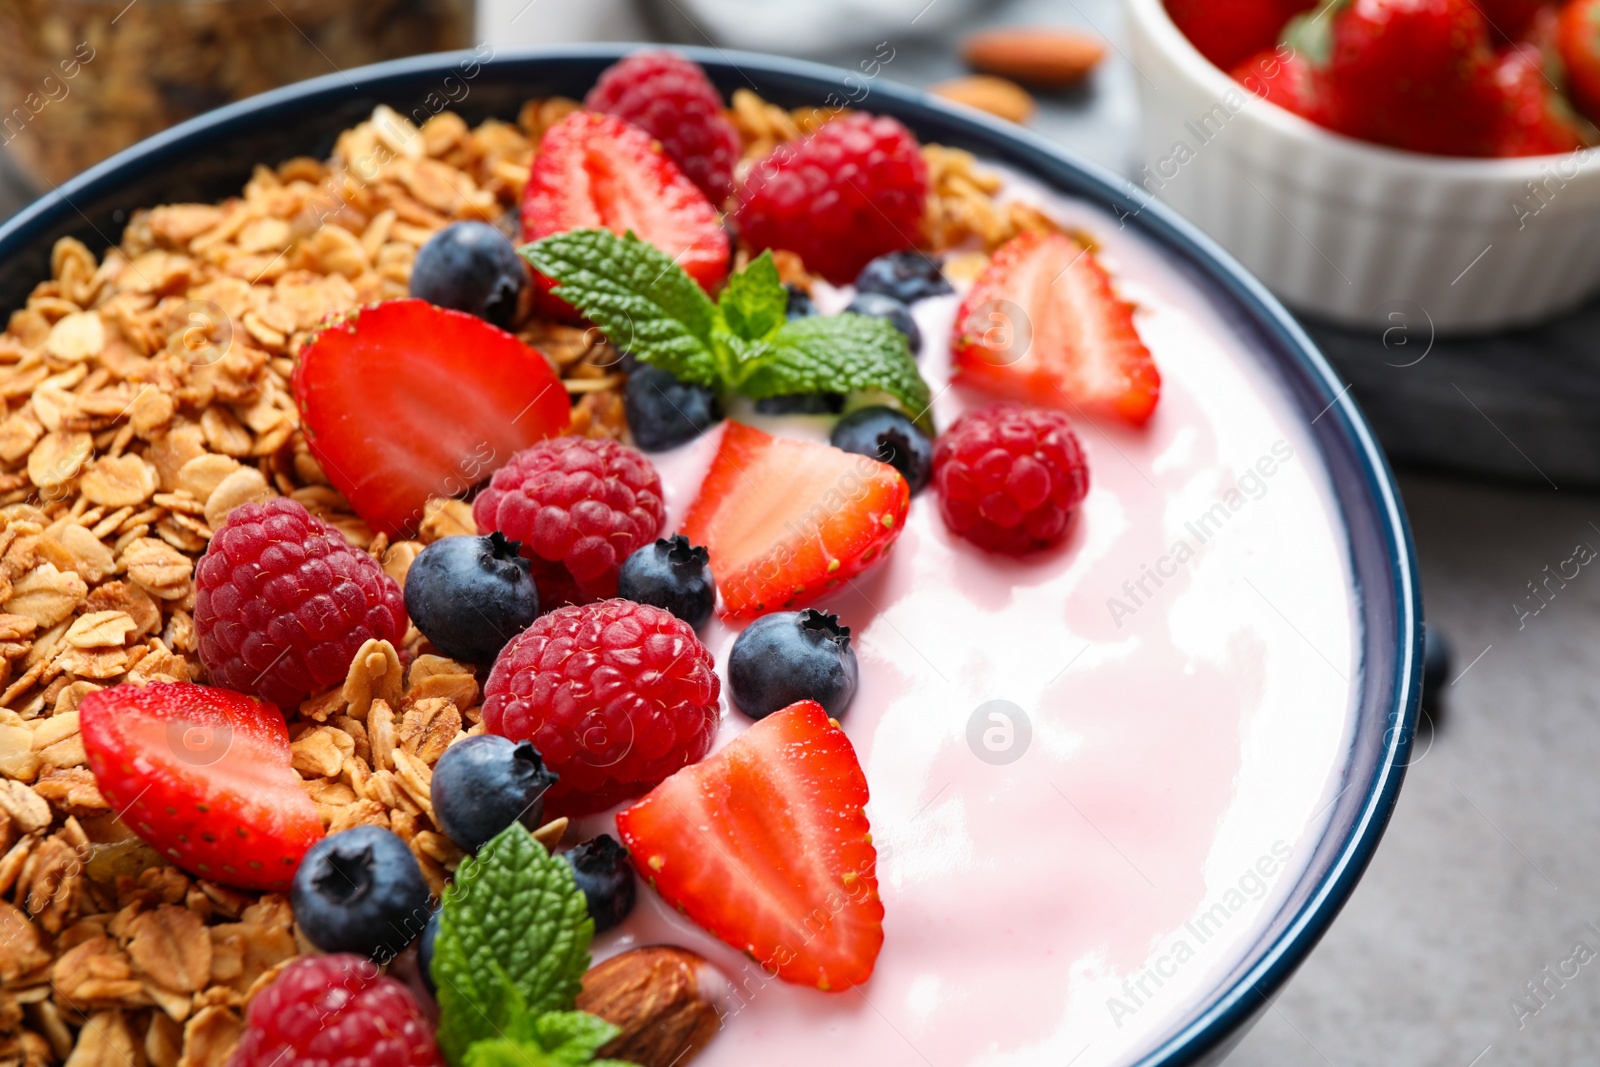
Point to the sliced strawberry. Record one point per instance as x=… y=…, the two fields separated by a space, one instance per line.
x=1042 y=325
x=786 y=520
x=766 y=845
x=404 y=400
x=202 y=774
x=597 y=172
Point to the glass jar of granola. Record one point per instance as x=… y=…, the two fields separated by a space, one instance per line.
x=81 y=79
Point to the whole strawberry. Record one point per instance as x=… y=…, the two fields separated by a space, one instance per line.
x=1513 y=20
x=1578 y=40
x=615 y=696
x=1285 y=77
x=669 y=97
x=1414 y=74
x=1227 y=32
x=845 y=195
x=1535 y=119
x=580 y=506
x=336 y=1011
x=283 y=601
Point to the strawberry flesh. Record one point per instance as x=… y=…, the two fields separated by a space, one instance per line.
x=787 y=520
x=203 y=776
x=597 y=172
x=404 y=401
x=766 y=845
x=1042 y=325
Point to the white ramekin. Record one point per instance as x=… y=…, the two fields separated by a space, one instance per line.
x=1353 y=232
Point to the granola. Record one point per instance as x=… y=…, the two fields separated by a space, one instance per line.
x=146 y=395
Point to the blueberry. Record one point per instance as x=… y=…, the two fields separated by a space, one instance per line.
x=800 y=305
x=664 y=412
x=886 y=434
x=887 y=307
x=471 y=267
x=790 y=656
x=906 y=276
x=802 y=404
x=430 y=934
x=671 y=574
x=360 y=891
x=602 y=871
x=470 y=595
x=484 y=784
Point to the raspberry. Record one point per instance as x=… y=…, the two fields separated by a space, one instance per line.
x=283 y=602
x=1009 y=478
x=580 y=506
x=335 y=1011
x=845 y=195
x=670 y=98
x=616 y=696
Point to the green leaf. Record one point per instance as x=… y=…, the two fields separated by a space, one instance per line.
x=839 y=354
x=743 y=343
x=1311 y=33
x=554 y=1039
x=513 y=941
x=755 y=303
x=643 y=301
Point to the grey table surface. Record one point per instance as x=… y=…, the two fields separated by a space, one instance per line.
x=1485 y=887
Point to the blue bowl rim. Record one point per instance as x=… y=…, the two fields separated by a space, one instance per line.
x=1239 y=1004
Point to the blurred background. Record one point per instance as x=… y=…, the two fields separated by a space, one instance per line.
x=1487 y=880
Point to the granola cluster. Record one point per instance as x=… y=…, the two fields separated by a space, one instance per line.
x=146 y=395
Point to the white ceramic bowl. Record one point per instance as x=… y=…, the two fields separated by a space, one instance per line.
x=1354 y=232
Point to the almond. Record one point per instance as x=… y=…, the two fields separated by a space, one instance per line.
x=1034 y=55
x=663 y=998
x=998 y=96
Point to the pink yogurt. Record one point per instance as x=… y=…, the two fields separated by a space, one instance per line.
x=1185 y=667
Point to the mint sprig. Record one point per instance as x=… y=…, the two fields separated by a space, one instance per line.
x=743 y=343
x=513 y=942
x=554 y=1039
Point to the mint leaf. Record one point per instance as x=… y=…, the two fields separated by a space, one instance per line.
x=554 y=1039
x=513 y=941
x=839 y=354
x=633 y=291
x=744 y=342
x=755 y=303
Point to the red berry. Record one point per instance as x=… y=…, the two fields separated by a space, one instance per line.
x=1009 y=478
x=787 y=520
x=670 y=98
x=1535 y=119
x=767 y=846
x=370 y=386
x=847 y=194
x=1043 y=325
x=580 y=506
x=614 y=695
x=336 y=1011
x=203 y=776
x=1513 y=20
x=1229 y=31
x=283 y=601
x=1285 y=77
x=1414 y=74
x=598 y=172
x=1578 y=40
